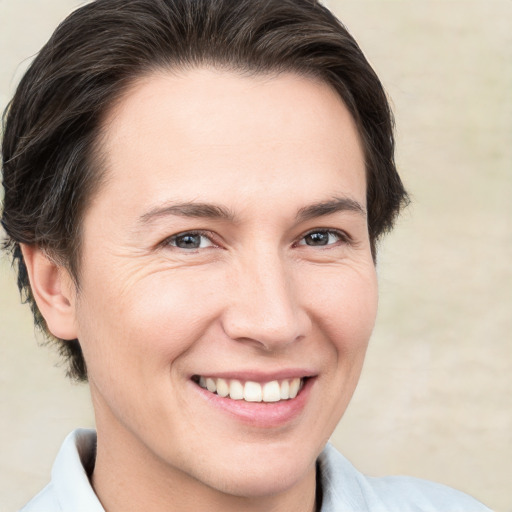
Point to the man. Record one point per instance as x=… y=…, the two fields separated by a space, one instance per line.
x=193 y=195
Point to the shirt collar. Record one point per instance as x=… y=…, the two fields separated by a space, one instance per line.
x=69 y=476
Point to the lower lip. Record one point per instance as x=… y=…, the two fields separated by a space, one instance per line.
x=261 y=414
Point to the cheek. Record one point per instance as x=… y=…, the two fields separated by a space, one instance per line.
x=345 y=308
x=134 y=341
x=145 y=326
x=344 y=311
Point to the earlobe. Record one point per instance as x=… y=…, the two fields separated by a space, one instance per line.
x=53 y=290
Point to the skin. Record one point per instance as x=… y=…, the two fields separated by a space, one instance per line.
x=254 y=298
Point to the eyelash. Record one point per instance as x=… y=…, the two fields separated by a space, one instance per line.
x=342 y=237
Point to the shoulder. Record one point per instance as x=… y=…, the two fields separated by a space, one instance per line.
x=344 y=486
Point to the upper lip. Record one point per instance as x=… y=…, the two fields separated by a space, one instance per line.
x=258 y=375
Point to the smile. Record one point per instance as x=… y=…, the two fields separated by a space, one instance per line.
x=250 y=391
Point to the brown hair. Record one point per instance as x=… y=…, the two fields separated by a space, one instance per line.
x=53 y=122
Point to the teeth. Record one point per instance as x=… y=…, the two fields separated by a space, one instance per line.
x=210 y=385
x=294 y=387
x=272 y=391
x=222 y=387
x=285 y=390
x=252 y=392
x=236 y=390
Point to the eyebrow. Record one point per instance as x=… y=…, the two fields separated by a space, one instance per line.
x=337 y=204
x=189 y=209
x=214 y=211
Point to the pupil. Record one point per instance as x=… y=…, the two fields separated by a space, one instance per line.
x=318 y=238
x=188 y=241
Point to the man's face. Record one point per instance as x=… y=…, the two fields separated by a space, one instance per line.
x=228 y=247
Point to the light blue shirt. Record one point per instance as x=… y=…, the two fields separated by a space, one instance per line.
x=344 y=488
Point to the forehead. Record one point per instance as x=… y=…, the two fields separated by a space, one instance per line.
x=206 y=126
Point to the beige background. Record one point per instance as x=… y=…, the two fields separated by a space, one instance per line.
x=435 y=396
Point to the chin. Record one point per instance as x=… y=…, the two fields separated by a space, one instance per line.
x=264 y=482
x=265 y=473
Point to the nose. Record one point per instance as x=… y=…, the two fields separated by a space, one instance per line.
x=264 y=305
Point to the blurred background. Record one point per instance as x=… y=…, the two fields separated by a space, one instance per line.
x=434 y=399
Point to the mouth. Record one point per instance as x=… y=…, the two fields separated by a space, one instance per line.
x=251 y=391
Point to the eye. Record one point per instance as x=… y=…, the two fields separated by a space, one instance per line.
x=322 y=238
x=190 y=240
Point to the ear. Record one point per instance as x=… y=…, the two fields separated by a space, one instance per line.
x=53 y=290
